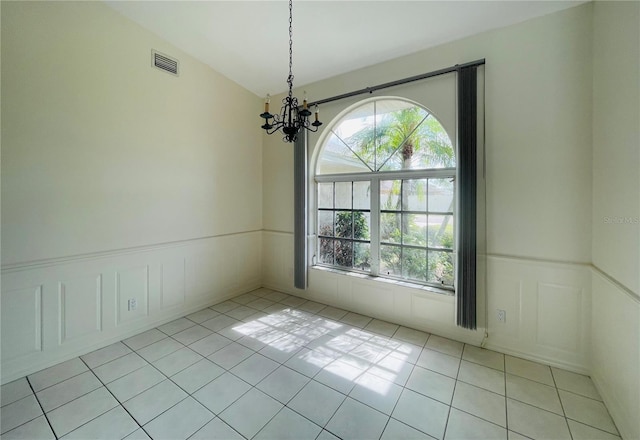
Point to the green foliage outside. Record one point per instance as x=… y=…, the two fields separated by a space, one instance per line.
x=408 y=138
x=405 y=139
x=401 y=136
x=412 y=263
x=348 y=224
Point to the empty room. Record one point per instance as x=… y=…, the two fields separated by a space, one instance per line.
x=320 y=220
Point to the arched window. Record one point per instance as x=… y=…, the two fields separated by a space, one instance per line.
x=386 y=200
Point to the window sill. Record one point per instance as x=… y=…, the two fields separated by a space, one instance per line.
x=364 y=276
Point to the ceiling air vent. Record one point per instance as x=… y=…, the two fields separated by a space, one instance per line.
x=164 y=62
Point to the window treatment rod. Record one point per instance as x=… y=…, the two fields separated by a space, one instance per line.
x=399 y=82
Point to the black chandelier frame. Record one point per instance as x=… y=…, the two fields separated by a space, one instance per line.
x=292 y=117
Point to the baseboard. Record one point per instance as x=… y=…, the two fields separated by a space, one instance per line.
x=552 y=362
x=57 y=309
x=468 y=337
x=616 y=410
x=98 y=344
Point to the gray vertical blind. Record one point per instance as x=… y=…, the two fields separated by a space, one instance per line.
x=300 y=211
x=467 y=182
x=469 y=272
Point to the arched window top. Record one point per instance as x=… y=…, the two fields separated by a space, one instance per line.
x=386 y=134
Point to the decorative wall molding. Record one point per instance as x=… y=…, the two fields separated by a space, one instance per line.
x=38 y=264
x=132 y=284
x=21 y=308
x=173 y=282
x=56 y=309
x=615 y=351
x=548 y=303
x=75 y=304
x=617 y=284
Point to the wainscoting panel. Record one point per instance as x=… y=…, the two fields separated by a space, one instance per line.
x=227 y=275
x=548 y=311
x=504 y=293
x=57 y=309
x=547 y=304
x=80 y=311
x=559 y=317
x=433 y=308
x=389 y=301
x=21 y=309
x=172 y=287
x=132 y=285
x=616 y=351
x=275 y=266
x=378 y=297
x=201 y=272
x=248 y=254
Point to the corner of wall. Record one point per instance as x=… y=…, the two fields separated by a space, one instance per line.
x=615 y=320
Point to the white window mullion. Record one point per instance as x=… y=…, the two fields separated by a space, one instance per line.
x=375 y=226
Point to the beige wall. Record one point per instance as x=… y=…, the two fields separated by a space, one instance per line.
x=538 y=103
x=563 y=185
x=538 y=134
x=616 y=141
x=616 y=197
x=119 y=182
x=102 y=152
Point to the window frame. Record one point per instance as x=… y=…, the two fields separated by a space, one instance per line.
x=374 y=178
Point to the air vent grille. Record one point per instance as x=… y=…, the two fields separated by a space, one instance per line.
x=165 y=63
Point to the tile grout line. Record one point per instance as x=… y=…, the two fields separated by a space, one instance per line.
x=121 y=404
x=53 y=385
x=79 y=397
x=276 y=414
x=401 y=392
x=114 y=397
x=506 y=402
x=313 y=378
x=340 y=320
x=455 y=385
x=41 y=409
x=322 y=428
x=89 y=370
x=165 y=378
x=110 y=360
x=120 y=377
x=564 y=413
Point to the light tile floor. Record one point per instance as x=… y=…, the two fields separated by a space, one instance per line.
x=267 y=365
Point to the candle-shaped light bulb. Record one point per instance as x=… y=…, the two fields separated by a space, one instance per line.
x=304 y=100
x=266 y=103
x=317 y=111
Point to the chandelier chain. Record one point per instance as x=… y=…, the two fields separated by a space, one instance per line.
x=291 y=118
x=290 y=78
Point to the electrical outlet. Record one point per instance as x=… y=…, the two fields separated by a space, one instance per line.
x=501 y=316
x=132 y=304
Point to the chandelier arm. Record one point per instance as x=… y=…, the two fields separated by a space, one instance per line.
x=292 y=117
x=274 y=128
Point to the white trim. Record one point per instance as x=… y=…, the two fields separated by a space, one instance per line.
x=630 y=293
x=46 y=262
x=387 y=175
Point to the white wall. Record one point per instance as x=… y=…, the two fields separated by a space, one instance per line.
x=538 y=147
x=118 y=181
x=616 y=197
x=102 y=152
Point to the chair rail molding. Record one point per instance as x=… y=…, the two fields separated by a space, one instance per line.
x=56 y=309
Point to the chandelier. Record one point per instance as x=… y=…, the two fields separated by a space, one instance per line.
x=292 y=118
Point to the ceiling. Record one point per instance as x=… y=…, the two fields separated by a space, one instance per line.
x=247 y=41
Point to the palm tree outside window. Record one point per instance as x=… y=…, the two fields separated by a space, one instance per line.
x=386 y=194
